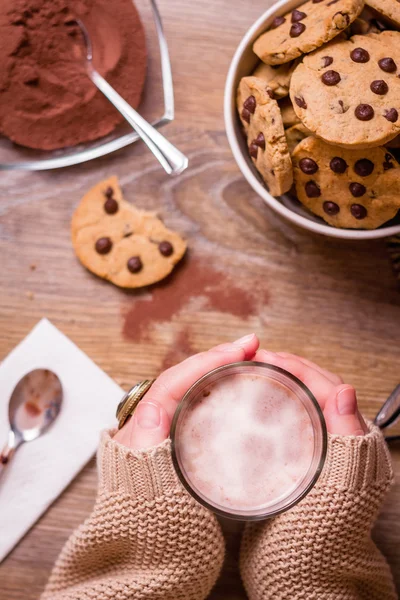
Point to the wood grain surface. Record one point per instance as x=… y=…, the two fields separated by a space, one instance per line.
x=336 y=303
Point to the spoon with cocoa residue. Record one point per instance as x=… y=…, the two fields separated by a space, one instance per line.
x=172 y=159
x=34 y=405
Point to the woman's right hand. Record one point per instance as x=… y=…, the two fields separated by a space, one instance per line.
x=151 y=421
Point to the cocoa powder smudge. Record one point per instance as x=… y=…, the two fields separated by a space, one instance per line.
x=192 y=279
x=47 y=101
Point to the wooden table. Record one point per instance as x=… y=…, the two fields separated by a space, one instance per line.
x=336 y=303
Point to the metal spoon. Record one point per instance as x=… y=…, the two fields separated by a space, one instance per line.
x=172 y=159
x=34 y=404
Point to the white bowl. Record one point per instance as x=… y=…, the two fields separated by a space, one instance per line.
x=243 y=64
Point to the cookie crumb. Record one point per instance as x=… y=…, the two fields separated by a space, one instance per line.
x=30 y=295
x=32 y=267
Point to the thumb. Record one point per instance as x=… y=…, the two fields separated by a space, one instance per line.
x=149 y=426
x=341 y=413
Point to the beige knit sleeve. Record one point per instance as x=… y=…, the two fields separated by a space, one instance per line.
x=322 y=548
x=145 y=539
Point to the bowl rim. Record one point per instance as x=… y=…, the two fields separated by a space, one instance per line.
x=230 y=119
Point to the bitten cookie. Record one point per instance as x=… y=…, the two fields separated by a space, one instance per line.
x=265 y=135
x=276 y=79
x=388 y=8
x=356 y=189
x=348 y=93
x=116 y=241
x=305 y=29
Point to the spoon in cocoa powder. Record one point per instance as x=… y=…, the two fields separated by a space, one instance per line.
x=172 y=159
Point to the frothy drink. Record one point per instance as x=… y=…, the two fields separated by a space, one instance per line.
x=246 y=442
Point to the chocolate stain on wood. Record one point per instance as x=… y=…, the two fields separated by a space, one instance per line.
x=182 y=348
x=194 y=278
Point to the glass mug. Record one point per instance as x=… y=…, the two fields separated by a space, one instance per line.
x=249 y=440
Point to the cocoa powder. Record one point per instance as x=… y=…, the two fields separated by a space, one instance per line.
x=47 y=101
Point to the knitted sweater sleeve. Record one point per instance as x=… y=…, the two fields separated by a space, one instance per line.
x=322 y=548
x=145 y=539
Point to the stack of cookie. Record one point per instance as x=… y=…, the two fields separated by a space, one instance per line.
x=322 y=109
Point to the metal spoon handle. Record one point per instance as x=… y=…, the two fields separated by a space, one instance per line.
x=168 y=155
x=8 y=451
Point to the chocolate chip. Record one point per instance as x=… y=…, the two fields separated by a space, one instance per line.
x=343 y=108
x=270 y=93
x=338 y=165
x=253 y=150
x=331 y=208
x=358 y=211
x=109 y=193
x=312 y=189
x=388 y=65
x=260 y=141
x=332 y=2
x=364 y=167
x=317 y=1
x=359 y=55
x=111 y=206
x=297 y=29
x=308 y=165
x=3 y=459
x=297 y=16
x=326 y=61
x=388 y=162
x=103 y=245
x=357 y=189
x=364 y=112
x=277 y=22
x=300 y=101
x=250 y=104
x=330 y=78
x=166 y=248
x=134 y=264
x=33 y=80
x=246 y=115
x=391 y=115
x=379 y=87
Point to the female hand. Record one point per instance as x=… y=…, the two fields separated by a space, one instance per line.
x=337 y=400
x=151 y=422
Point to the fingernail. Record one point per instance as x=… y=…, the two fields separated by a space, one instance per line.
x=244 y=339
x=346 y=402
x=148 y=415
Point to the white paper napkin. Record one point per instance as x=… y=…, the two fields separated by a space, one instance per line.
x=41 y=469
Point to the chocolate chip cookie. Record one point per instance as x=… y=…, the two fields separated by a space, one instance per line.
x=277 y=79
x=289 y=117
x=131 y=248
x=266 y=139
x=295 y=134
x=388 y=8
x=305 y=29
x=356 y=189
x=252 y=92
x=348 y=92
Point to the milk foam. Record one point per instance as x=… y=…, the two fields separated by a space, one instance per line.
x=246 y=442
